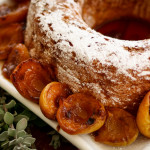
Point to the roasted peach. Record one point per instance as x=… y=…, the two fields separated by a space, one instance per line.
x=29 y=78
x=80 y=113
x=143 y=116
x=50 y=96
x=9 y=36
x=18 y=54
x=15 y=13
x=119 y=128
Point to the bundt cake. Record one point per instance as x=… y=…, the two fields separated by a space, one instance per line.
x=61 y=33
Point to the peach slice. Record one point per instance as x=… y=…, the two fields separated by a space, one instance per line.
x=29 y=78
x=80 y=114
x=50 y=96
x=18 y=54
x=119 y=129
x=143 y=116
x=10 y=35
x=16 y=13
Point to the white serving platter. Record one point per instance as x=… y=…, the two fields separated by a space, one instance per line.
x=82 y=142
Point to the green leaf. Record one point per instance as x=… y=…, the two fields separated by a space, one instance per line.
x=8 y=118
x=29 y=140
x=4 y=136
x=1 y=114
x=5 y=143
x=19 y=140
x=27 y=135
x=15 y=113
x=11 y=132
x=56 y=137
x=21 y=133
x=19 y=117
x=22 y=124
x=1 y=124
x=1 y=117
x=1 y=106
x=13 y=142
x=55 y=142
x=11 y=104
x=2 y=100
x=16 y=148
x=27 y=144
x=2 y=111
x=52 y=132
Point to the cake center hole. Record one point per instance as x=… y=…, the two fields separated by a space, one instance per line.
x=126 y=29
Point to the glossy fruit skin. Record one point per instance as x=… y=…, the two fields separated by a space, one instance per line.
x=17 y=13
x=50 y=97
x=29 y=78
x=119 y=129
x=10 y=35
x=18 y=54
x=143 y=116
x=80 y=114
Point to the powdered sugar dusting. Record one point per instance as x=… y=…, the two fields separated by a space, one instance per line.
x=88 y=50
x=114 y=71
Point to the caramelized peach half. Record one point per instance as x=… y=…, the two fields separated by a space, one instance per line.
x=50 y=96
x=15 y=13
x=18 y=54
x=29 y=78
x=9 y=36
x=143 y=116
x=80 y=113
x=119 y=128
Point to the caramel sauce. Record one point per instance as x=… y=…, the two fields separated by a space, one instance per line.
x=126 y=29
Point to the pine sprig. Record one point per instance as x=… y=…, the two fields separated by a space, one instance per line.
x=13 y=135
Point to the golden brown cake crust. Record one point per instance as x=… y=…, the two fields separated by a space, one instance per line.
x=116 y=72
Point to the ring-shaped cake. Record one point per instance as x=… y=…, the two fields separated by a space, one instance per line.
x=60 y=33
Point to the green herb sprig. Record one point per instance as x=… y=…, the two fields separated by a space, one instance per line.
x=57 y=139
x=13 y=135
x=15 y=124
